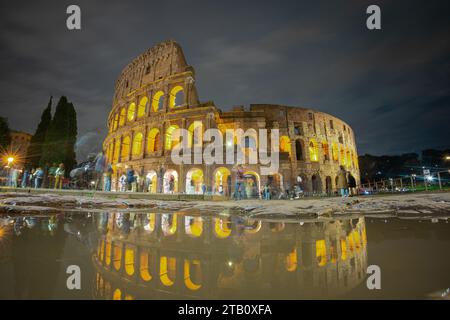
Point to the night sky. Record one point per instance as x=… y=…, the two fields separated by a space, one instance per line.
x=391 y=86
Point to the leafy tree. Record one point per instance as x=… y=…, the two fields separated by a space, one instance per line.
x=5 y=133
x=35 y=149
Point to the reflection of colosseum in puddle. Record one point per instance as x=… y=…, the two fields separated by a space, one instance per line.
x=182 y=256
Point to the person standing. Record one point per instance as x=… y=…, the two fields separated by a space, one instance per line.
x=107 y=178
x=59 y=176
x=38 y=177
x=14 y=177
x=204 y=188
x=130 y=179
x=51 y=175
x=25 y=177
x=123 y=183
x=351 y=184
x=342 y=183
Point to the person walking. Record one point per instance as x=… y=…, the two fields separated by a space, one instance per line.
x=204 y=188
x=25 y=177
x=59 y=176
x=342 y=183
x=123 y=183
x=351 y=184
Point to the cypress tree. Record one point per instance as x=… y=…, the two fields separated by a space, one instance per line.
x=60 y=140
x=35 y=149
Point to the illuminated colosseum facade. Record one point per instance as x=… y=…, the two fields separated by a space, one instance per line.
x=156 y=94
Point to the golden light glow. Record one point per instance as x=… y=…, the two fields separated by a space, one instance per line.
x=129 y=261
x=335 y=152
x=167 y=267
x=142 y=107
x=175 y=96
x=169 y=142
x=187 y=274
x=125 y=152
x=153 y=144
x=144 y=265
x=313 y=150
x=221 y=228
x=157 y=101
x=285 y=144
x=193 y=226
x=131 y=111
x=117 y=257
x=291 y=261
x=122 y=117
x=137 y=144
x=195 y=131
x=321 y=252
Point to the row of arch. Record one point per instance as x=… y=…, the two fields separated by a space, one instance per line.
x=148 y=265
x=133 y=111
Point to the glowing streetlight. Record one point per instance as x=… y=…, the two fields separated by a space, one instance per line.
x=447 y=158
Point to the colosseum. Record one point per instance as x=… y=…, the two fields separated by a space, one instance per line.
x=156 y=94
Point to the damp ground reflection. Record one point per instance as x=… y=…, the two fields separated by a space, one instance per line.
x=194 y=256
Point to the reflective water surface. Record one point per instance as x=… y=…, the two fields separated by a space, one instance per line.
x=195 y=256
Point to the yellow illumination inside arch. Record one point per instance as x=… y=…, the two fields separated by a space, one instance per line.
x=169 y=229
x=167 y=268
x=142 y=107
x=195 y=131
x=116 y=121
x=144 y=266
x=131 y=111
x=335 y=151
x=117 y=262
x=169 y=141
x=343 y=249
x=153 y=140
x=221 y=228
x=291 y=261
x=122 y=118
x=117 y=295
x=321 y=252
x=125 y=152
x=313 y=151
x=129 y=261
x=285 y=144
x=108 y=253
x=187 y=275
x=137 y=144
x=173 y=94
x=155 y=101
x=193 y=226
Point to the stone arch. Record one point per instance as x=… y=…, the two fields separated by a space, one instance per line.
x=194 y=181
x=170 y=181
x=222 y=181
x=252 y=185
x=169 y=143
x=299 y=150
x=176 y=97
x=328 y=185
x=153 y=140
x=123 y=116
x=158 y=101
x=195 y=134
x=285 y=144
x=152 y=181
x=142 y=108
x=126 y=147
x=131 y=114
x=137 y=144
x=316 y=183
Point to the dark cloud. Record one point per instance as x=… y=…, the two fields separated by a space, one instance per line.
x=391 y=86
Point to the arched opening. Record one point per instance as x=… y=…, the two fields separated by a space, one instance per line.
x=250 y=146
x=142 y=108
x=313 y=151
x=131 y=111
x=117 y=256
x=116 y=151
x=125 y=152
x=153 y=140
x=335 y=152
x=169 y=224
x=167 y=270
x=152 y=181
x=149 y=222
x=194 y=181
x=117 y=294
x=325 y=150
x=123 y=115
x=195 y=134
x=176 y=97
x=170 y=182
x=158 y=101
x=145 y=266
x=108 y=250
x=316 y=184
x=222 y=227
x=192 y=274
x=285 y=144
x=253 y=227
x=129 y=261
x=116 y=121
x=170 y=142
x=348 y=159
x=275 y=182
x=222 y=181
x=328 y=186
x=137 y=144
x=251 y=184
x=291 y=260
x=299 y=150
x=343 y=162
x=321 y=253
x=193 y=226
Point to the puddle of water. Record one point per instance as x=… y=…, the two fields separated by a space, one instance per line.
x=189 y=255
